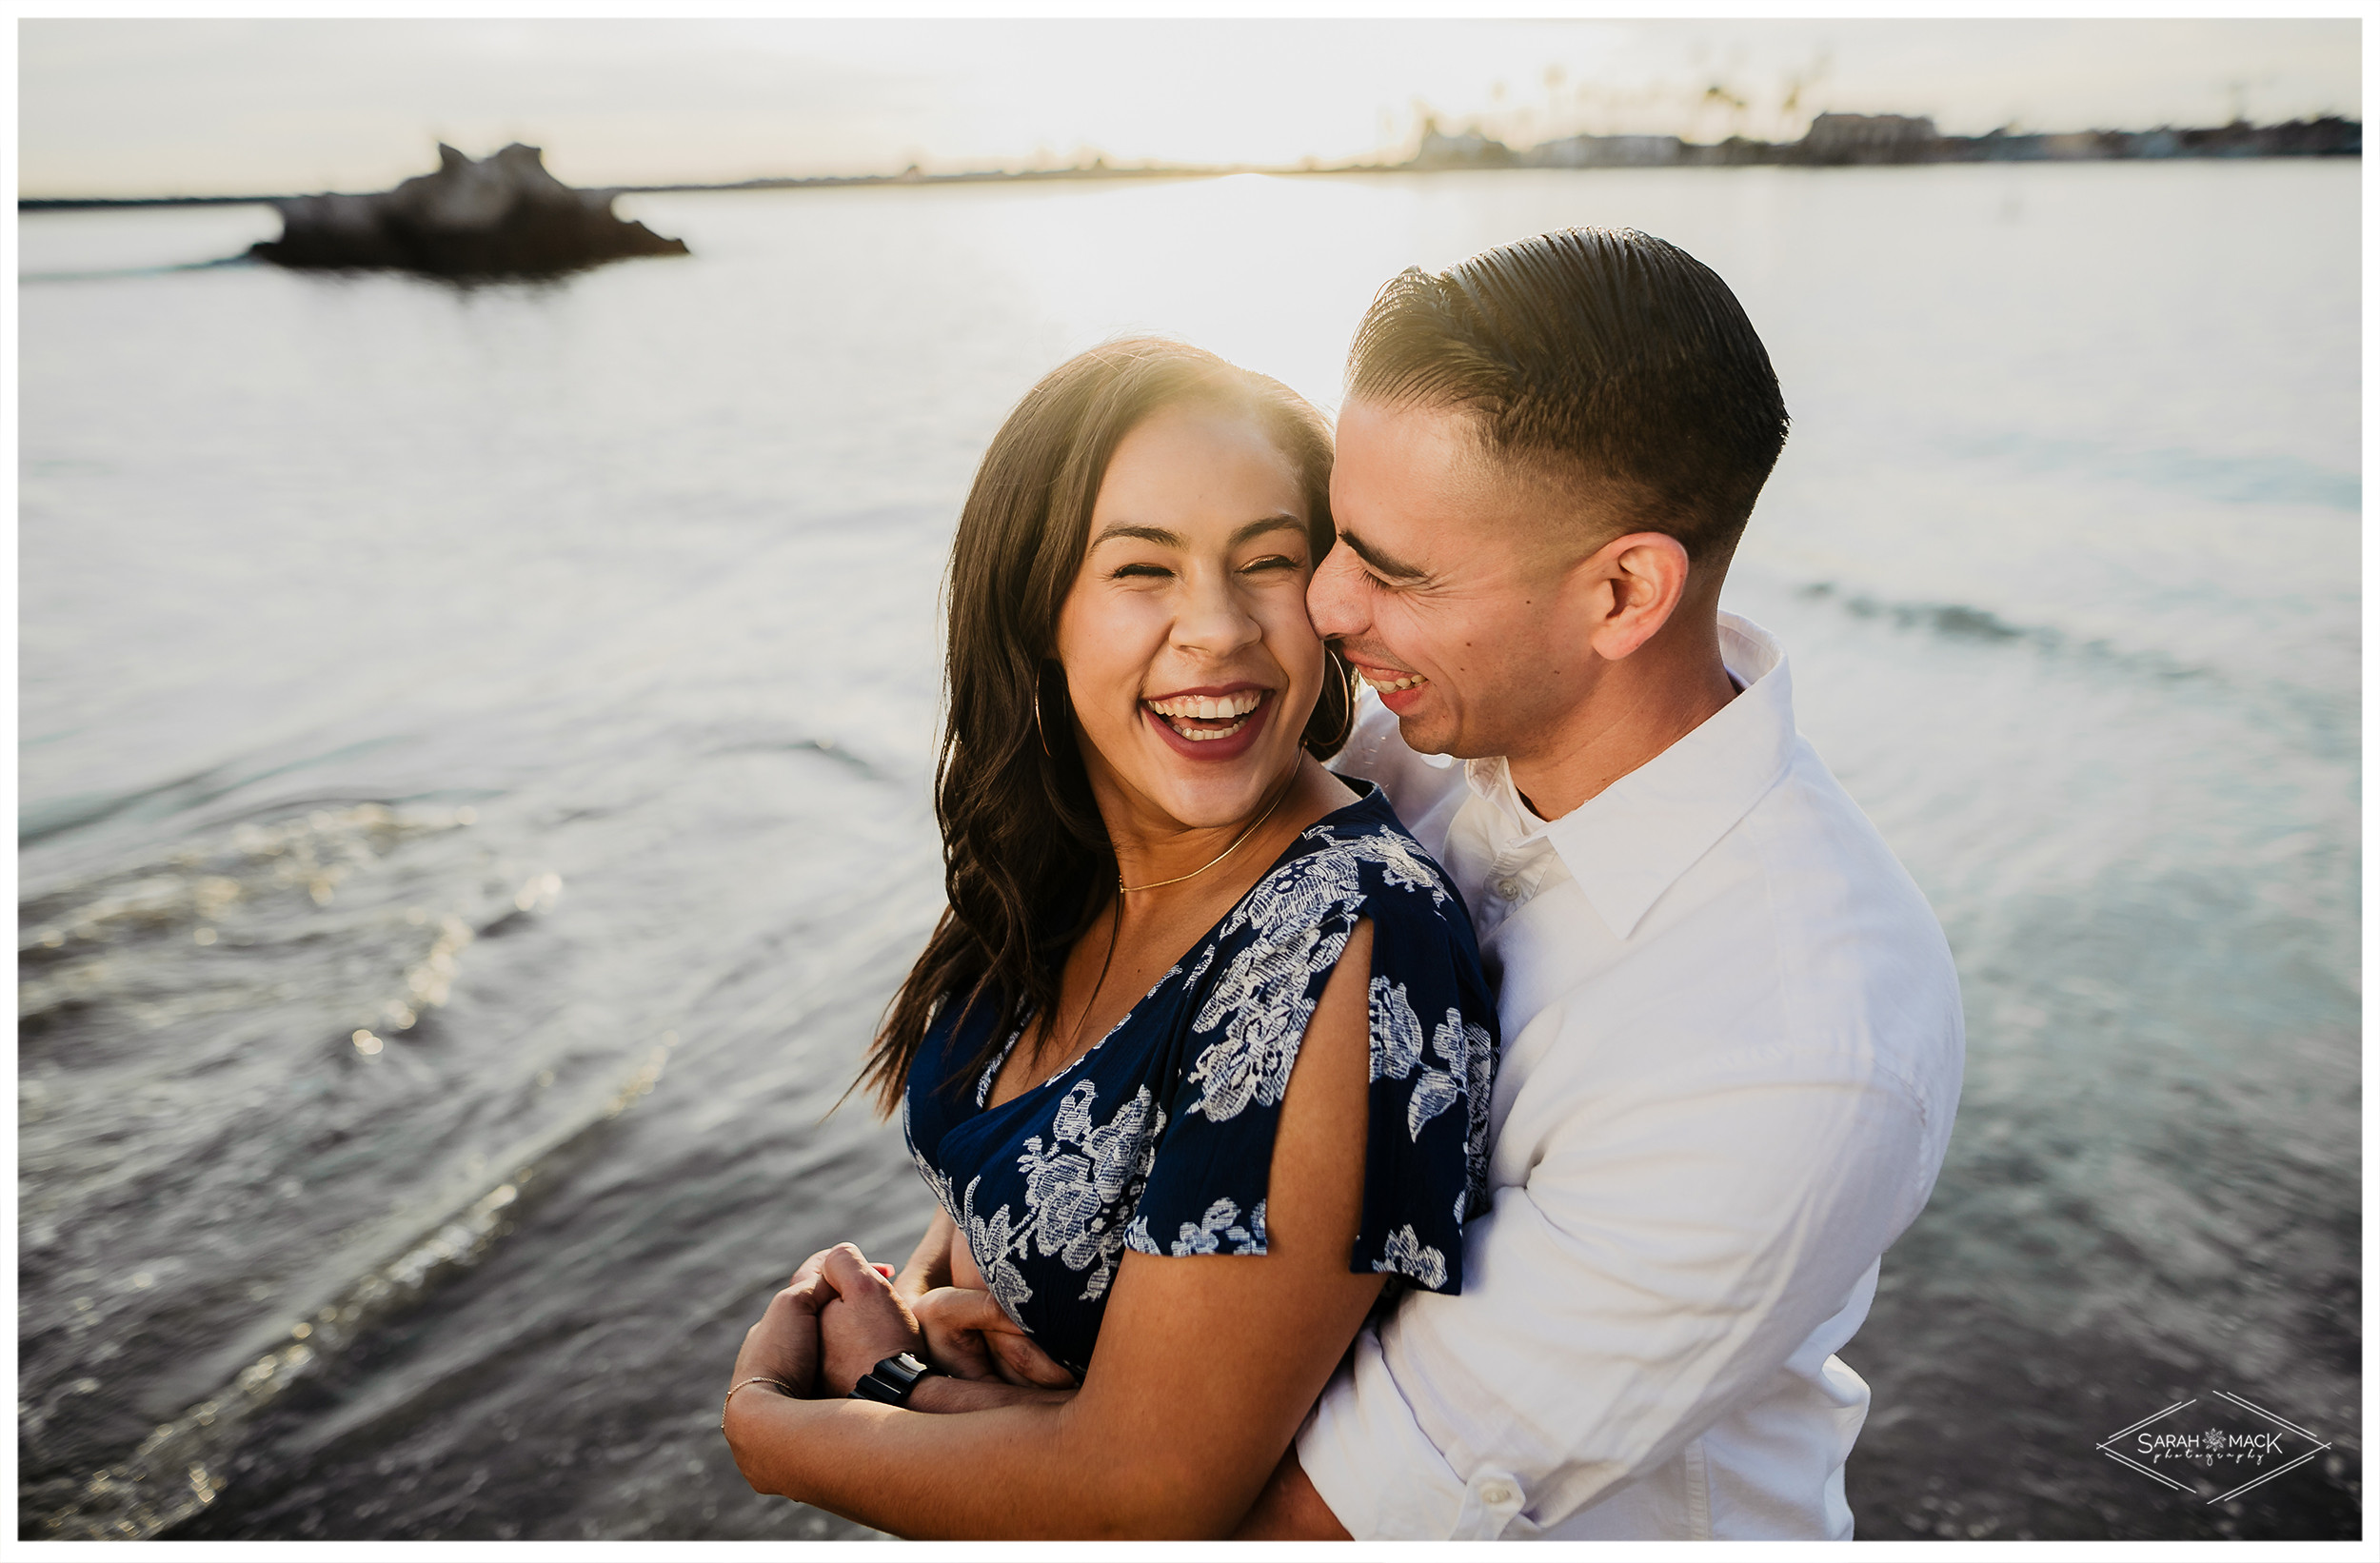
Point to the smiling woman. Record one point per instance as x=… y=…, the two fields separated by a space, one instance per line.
x=1197 y=1063
x=1141 y=532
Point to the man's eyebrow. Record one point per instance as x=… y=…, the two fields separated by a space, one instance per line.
x=1381 y=564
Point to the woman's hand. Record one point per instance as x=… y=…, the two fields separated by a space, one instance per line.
x=784 y=1344
x=968 y=1337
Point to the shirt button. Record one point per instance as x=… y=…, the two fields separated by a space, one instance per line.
x=1508 y=888
x=1498 y=1493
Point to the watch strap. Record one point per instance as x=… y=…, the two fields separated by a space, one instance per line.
x=891 y=1381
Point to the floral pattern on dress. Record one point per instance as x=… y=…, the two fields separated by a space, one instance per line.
x=936 y=1179
x=1467 y=1050
x=1160 y=1138
x=996 y=1241
x=1263 y=1004
x=1082 y=1187
x=1218 y=1232
x=1479 y=1105
x=1407 y=1254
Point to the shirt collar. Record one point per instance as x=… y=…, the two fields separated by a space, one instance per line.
x=1632 y=842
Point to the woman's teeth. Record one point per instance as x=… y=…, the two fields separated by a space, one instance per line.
x=1389 y=686
x=1179 y=711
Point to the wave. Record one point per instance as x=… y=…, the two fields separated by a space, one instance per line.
x=2323 y=719
x=2236 y=479
x=39 y=822
x=1955 y=620
x=357 y=914
x=825 y=748
x=1965 y=622
x=56 y=817
x=99 y=938
x=173 y=1473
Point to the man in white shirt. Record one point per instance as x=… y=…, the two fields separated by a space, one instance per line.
x=1732 y=1030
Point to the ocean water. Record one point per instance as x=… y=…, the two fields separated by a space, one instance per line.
x=474 y=748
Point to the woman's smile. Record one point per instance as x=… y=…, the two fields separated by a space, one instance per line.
x=1210 y=724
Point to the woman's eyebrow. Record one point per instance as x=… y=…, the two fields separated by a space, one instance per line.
x=1147 y=534
x=1270 y=524
x=1165 y=539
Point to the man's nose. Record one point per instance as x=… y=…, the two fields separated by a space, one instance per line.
x=1332 y=601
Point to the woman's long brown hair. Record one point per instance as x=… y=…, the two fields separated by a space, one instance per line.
x=1026 y=858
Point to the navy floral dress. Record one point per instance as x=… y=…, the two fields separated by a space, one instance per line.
x=1160 y=1137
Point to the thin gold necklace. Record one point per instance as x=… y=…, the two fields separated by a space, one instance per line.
x=1124 y=889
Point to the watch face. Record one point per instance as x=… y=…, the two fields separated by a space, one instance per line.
x=892 y=1379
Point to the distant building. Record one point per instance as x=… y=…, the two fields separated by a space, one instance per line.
x=2080 y=146
x=1469 y=149
x=1853 y=139
x=1870 y=138
x=1606 y=152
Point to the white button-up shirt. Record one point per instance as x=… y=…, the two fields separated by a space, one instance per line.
x=1732 y=1053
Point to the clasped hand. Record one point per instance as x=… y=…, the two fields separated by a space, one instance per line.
x=841 y=1315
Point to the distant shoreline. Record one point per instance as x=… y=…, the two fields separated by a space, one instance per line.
x=1834 y=141
x=77 y=202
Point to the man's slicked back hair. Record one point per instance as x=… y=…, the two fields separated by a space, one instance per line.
x=1602 y=354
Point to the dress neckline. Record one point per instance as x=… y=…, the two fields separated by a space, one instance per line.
x=990 y=1078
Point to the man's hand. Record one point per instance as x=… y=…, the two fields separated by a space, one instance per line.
x=968 y=1337
x=1290 y=1510
x=863 y=1323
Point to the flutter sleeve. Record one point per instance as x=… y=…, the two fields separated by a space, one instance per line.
x=1433 y=1060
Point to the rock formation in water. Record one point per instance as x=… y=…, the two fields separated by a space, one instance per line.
x=501 y=215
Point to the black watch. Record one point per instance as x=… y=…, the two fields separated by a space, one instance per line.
x=890 y=1381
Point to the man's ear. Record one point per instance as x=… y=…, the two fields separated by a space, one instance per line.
x=1632 y=585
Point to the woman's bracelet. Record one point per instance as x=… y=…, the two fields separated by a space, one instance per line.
x=741 y=1383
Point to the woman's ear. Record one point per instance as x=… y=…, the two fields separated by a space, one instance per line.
x=1630 y=586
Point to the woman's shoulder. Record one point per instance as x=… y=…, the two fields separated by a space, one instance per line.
x=1424 y=1040
x=1359 y=857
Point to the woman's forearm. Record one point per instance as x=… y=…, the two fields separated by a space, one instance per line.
x=940 y=1394
x=1010 y=1470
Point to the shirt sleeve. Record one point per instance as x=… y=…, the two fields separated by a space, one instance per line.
x=1371 y=1462
x=1675 y=1244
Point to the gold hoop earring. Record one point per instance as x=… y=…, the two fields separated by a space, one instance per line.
x=1041 y=731
x=1333 y=715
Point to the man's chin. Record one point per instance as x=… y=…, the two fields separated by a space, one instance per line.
x=1426 y=731
x=1422 y=720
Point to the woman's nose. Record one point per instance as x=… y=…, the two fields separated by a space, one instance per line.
x=1213 y=618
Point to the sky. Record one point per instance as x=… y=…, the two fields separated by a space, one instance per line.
x=210 y=107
